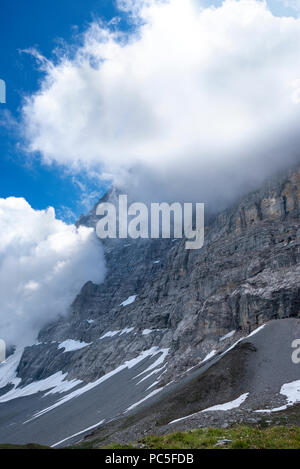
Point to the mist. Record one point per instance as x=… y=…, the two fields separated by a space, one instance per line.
x=43 y=264
x=193 y=103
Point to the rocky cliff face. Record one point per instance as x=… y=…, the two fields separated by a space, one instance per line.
x=247 y=273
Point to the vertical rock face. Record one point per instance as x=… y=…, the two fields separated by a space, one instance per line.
x=247 y=273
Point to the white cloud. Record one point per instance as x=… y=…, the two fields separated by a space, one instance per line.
x=43 y=264
x=195 y=98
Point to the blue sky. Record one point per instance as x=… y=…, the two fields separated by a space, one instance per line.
x=43 y=24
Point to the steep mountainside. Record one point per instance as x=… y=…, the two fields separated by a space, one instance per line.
x=254 y=383
x=155 y=332
x=185 y=301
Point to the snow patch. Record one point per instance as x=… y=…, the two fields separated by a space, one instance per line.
x=183 y=418
x=154 y=372
x=144 y=399
x=127 y=330
x=119 y=332
x=256 y=331
x=159 y=361
x=241 y=339
x=71 y=345
x=8 y=369
x=210 y=355
x=228 y=405
x=129 y=301
x=53 y=384
x=227 y=336
x=109 y=334
x=149 y=331
x=291 y=391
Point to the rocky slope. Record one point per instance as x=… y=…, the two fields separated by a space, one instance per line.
x=247 y=273
x=254 y=383
x=153 y=334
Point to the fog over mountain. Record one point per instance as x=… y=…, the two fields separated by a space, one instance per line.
x=43 y=265
x=192 y=103
x=125 y=340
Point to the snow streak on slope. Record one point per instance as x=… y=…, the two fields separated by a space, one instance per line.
x=129 y=301
x=227 y=406
x=119 y=332
x=209 y=355
x=8 y=369
x=71 y=345
x=56 y=383
x=128 y=364
x=227 y=336
x=144 y=399
x=78 y=433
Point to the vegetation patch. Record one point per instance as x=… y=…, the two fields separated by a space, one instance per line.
x=28 y=446
x=238 y=437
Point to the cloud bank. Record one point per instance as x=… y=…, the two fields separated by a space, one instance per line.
x=196 y=103
x=43 y=265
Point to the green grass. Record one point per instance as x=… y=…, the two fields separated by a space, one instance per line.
x=28 y=446
x=242 y=437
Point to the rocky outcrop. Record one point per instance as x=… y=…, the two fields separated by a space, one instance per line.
x=247 y=273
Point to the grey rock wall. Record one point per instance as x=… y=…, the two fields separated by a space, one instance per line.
x=247 y=273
